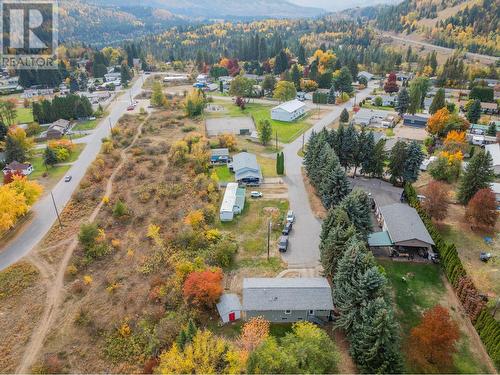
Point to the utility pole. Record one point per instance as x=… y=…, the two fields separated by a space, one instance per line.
x=303 y=141
x=55 y=208
x=268 y=238
x=110 y=126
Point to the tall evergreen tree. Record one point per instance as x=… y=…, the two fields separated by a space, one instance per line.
x=331 y=96
x=343 y=81
x=474 y=112
x=49 y=156
x=348 y=147
x=344 y=116
x=3 y=131
x=357 y=279
x=333 y=246
x=366 y=152
x=14 y=150
x=479 y=174
x=403 y=101
x=375 y=342
x=397 y=161
x=414 y=158
x=334 y=186
x=301 y=55
x=438 y=102
x=358 y=207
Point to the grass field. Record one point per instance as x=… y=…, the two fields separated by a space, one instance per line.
x=223 y=173
x=23 y=115
x=285 y=131
x=57 y=171
x=86 y=125
x=421 y=289
x=250 y=227
x=368 y=105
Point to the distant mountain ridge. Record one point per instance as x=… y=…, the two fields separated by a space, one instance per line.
x=223 y=8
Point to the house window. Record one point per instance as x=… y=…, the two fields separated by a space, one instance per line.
x=288 y=312
x=311 y=312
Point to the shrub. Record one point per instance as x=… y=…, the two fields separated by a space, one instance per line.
x=203 y=288
x=120 y=209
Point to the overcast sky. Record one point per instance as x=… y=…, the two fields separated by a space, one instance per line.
x=338 y=4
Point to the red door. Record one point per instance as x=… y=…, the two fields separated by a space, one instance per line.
x=232 y=317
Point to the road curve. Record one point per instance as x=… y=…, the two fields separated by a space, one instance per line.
x=303 y=249
x=470 y=55
x=44 y=215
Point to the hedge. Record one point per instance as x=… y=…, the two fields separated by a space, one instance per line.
x=486 y=325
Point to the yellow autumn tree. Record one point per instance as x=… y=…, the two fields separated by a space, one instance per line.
x=206 y=354
x=195 y=219
x=437 y=122
x=455 y=141
x=12 y=206
x=30 y=189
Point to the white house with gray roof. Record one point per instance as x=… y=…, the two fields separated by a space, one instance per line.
x=494 y=150
x=288 y=111
x=246 y=169
x=403 y=228
x=287 y=299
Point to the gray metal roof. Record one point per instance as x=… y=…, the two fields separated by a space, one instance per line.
x=219 y=152
x=245 y=165
x=404 y=224
x=227 y=303
x=267 y=294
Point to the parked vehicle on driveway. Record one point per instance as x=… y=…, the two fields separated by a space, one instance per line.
x=290 y=217
x=283 y=244
x=256 y=194
x=287 y=229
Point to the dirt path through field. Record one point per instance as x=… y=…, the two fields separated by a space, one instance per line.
x=55 y=291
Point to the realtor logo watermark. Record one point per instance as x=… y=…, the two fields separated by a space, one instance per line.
x=29 y=34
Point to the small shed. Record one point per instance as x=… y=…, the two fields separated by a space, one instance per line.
x=219 y=156
x=229 y=308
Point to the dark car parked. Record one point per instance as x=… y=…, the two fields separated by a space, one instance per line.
x=283 y=244
x=287 y=229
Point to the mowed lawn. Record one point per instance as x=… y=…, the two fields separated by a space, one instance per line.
x=286 y=131
x=23 y=115
x=418 y=287
x=57 y=171
x=86 y=125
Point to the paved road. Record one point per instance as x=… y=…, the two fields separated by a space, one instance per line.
x=43 y=211
x=303 y=250
x=442 y=49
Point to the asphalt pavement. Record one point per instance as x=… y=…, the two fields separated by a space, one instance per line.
x=303 y=248
x=43 y=212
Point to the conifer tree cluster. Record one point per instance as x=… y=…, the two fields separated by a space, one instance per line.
x=360 y=295
x=360 y=289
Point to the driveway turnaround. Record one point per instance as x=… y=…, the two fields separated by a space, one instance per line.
x=44 y=215
x=303 y=248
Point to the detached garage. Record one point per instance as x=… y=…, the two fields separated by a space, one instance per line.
x=229 y=308
x=288 y=111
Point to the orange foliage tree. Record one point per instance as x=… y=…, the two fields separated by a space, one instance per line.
x=432 y=342
x=437 y=122
x=436 y=201
x=455 y=141
x=254 y=332
x=203 y=288
x=482 y=209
